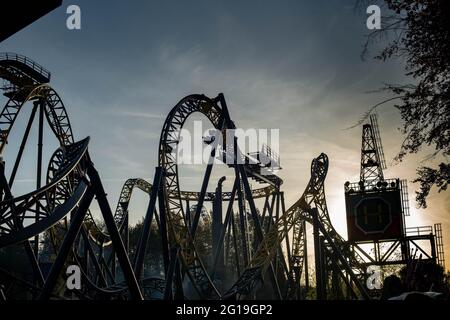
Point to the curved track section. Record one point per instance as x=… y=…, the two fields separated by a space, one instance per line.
x=312 y=198
x=268 y=247
x=179 y=233
x=55 y=113
x=18 y=220
x=101 y=237
x=20 y=71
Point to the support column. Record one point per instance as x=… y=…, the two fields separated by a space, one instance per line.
x=217 y=226
x=139 y=260
x=114 y=234
x=64 y=250
x=318 y=257
x=39 y=169
x=305 y=258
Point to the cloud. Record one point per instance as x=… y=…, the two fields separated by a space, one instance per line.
x=138 y=114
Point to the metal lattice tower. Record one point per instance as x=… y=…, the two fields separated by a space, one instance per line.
x=372 y=155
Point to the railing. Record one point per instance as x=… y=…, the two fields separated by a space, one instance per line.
x=266 y=157
x=419 y=231
x=405 y=198
x=388 y=184
x=271 y=155
x=439 y=244
x=27 y=61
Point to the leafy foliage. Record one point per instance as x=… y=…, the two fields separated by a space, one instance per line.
x=421 y=30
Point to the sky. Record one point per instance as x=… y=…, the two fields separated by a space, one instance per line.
x=290 y=65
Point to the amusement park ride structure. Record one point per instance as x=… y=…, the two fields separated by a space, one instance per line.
x=254 y=253
x=376 y=210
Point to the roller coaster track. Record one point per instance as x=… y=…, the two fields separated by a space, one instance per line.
x=313 y=196
x=26 y=79
x=349 y=262
x=296 y=262
x=54 y=111
x=15 y=212
x=179 y=233
x=72 y=182
x=57 y=198
x=56 y=115
x=267 y=249
x=101 y=237
x=292 y=219
x=42 y=210
x=142 y=184
x=19 y=71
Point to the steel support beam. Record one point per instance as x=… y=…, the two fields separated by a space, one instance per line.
x=320 y=290
x=163 y=228
x=171 y=273
x=19 y=225
x=108 y=217
x=226 y=225
x=66 y=246
x=257 y=225
x=142 y=247
x=40 y=102
x=218 y=230
x=203 y=190
x=22 y=144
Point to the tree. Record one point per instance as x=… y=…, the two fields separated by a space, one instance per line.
x=153 y=259
x=420 y=34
